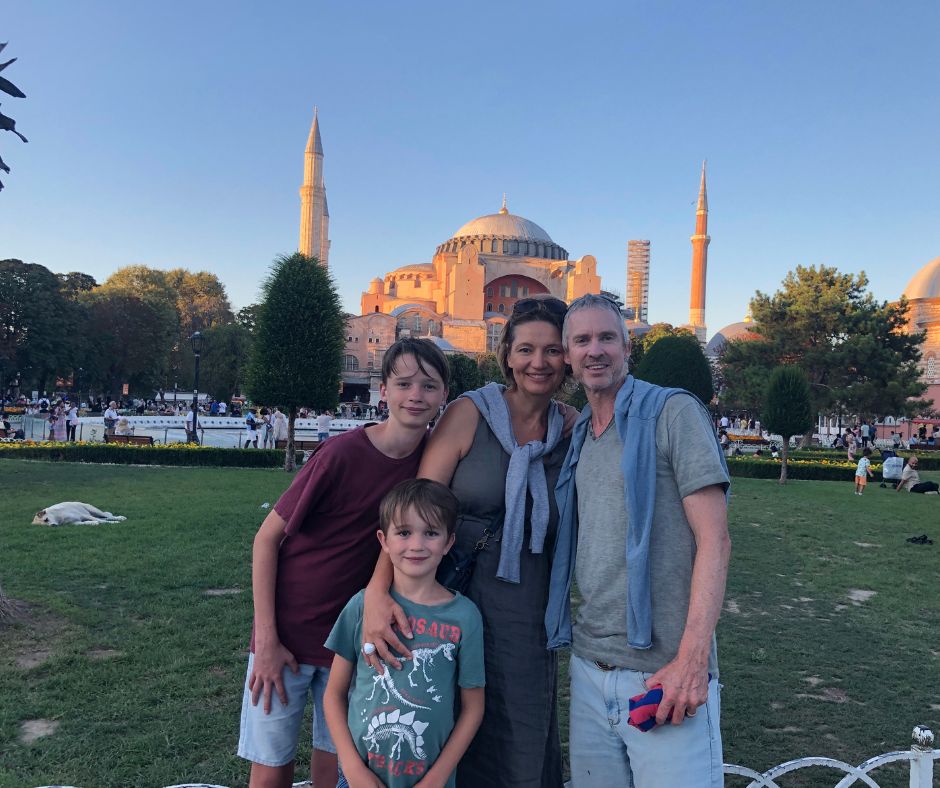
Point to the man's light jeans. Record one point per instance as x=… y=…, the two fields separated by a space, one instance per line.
x=607 y=752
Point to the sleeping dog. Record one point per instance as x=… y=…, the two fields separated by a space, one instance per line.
x=74 y=513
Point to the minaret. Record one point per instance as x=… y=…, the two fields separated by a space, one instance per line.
x=314 y=215
x=699 y=263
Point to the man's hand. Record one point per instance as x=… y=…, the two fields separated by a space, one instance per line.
x=267 y=675
x=685 y=688
x=380 y=612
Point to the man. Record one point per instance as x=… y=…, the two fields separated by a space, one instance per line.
x=643 y=530
x=910 y=479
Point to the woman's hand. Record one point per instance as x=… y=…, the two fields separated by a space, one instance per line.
x=570 y=416
x=380 y=613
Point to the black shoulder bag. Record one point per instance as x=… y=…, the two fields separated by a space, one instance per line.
x=456 y=567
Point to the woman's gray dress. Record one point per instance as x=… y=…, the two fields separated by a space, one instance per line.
x=518 y=743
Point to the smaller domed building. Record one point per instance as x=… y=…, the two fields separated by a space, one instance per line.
x=923 y=294
x=743 y=329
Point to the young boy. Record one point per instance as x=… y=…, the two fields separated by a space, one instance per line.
x=397 y=728
x=863 y=472
x=315 y=550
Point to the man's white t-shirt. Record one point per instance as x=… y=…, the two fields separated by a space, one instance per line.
x=323 y=422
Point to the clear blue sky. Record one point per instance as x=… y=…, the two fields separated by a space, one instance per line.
x=172 y=134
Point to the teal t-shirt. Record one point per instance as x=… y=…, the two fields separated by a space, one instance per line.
x=400 y=721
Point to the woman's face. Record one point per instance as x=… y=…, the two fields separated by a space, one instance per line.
x=536 y=358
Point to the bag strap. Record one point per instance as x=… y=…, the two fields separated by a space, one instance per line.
x=492 y=529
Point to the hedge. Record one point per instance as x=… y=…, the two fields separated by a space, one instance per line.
x=823 y=470
x=123 y=454
x=926 y=460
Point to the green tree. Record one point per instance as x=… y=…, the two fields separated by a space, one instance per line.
x=854 y=350
x=201 y=300
x=224 y=360
x=640 y=345
x=299 y=337
x=489 y=369
x=788 y=409
x=677 y=361
x=464 y=375
x=130 y=341
x=36 y=324
x=247 y=316
x=75 y=282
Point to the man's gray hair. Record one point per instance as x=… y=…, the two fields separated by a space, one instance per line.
x=592 y=301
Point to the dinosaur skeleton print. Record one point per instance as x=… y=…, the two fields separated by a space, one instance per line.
x=401 y=719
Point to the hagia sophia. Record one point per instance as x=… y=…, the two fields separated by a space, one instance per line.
x=461 y=298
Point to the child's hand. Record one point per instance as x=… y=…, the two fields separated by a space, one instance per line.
x=429 y=782
x=363 y=778
x=267 y=675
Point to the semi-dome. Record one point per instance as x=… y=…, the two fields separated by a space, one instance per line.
x=926 y=282
x=743 y=329
x=503 y=225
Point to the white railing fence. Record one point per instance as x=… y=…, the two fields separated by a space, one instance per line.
x=921 y=756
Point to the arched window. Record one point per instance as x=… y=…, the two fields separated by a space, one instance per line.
x=350 y=363
x=417 y=325
x=494 y=245
x=513 y=247
x=489 y=306
x=931 y=367
x=501 y=308
x=505 y=247
x=376 y=307
x=514 y=289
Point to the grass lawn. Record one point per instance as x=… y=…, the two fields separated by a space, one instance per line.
x=133 y=640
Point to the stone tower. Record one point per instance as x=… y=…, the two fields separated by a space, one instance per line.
x=699 y=263
x=314 y=214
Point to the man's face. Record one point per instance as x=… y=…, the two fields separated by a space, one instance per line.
x=596 y=351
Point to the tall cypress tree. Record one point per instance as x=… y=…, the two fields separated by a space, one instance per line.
x=299 y=335
x=788 y=409
x=677 y=361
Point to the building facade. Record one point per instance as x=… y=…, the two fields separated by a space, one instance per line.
x=638 y=280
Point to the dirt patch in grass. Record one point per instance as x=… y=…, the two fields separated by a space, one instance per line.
x=30 y=730
x=828 y=695
x=222 y=591
x=33 y=638
x=858 y=595
x=99 y=654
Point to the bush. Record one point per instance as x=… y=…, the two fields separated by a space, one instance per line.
x=677 y=361
x=124 y=454
x=812 y=470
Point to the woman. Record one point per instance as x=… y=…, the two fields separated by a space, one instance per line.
x=500 y=449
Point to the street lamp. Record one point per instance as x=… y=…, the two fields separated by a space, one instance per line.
x=196 y=341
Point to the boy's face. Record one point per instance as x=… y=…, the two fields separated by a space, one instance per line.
x=415 y=546
x=414 y=397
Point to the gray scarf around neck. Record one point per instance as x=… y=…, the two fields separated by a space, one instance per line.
x=525 y=471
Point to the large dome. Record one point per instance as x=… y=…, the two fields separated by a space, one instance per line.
x=926 y=282
x=503 y=225
x=741 y=330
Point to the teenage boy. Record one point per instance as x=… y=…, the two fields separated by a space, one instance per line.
x=399 y=730
x=315 y=550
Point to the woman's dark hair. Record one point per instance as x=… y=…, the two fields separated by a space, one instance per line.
x=426 y=354
x=544 y=309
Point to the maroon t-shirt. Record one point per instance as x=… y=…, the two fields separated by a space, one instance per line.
x=330 y=548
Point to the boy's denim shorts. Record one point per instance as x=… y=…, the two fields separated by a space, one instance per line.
x=271 y=739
